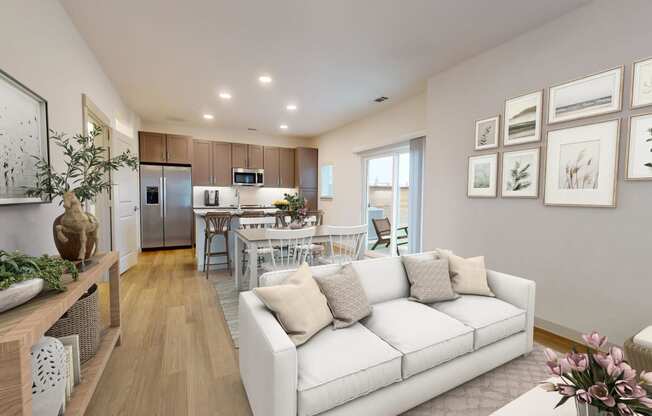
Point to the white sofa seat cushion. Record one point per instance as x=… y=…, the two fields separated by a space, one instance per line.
x=425 y=336
x=337 y=366
x=491 y=318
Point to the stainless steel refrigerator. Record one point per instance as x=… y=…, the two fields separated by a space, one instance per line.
x=166 y=206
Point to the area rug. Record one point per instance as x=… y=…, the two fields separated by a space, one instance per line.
x=478 y=397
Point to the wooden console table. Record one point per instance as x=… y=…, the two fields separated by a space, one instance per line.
x=22 y=327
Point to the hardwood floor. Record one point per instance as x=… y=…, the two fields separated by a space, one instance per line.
x=176 y=356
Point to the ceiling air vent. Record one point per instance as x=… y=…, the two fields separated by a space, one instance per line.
x=381 y=99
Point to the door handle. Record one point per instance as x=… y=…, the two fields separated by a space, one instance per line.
x=165 y=196
x=160 y=196
x=135 y=208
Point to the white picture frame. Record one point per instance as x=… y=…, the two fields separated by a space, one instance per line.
x=522 y=119
x=642 y=83
x=639 y=148
x=520 y=173
x=589 y=96
x=486 y=133
x=582 y=165
x=482 y=176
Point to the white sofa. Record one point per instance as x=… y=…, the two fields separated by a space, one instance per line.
x=405 y=353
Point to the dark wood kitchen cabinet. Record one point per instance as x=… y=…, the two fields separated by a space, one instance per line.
x=239 y=155
x=202 y=163
x=164 y=148
x=286 y=167
x=248 y=156
x=305 y=167
x=255 y=156
x=311 y=197
x=222 y=164
x=271 y=165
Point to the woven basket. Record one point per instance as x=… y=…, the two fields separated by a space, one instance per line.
x=82 y=319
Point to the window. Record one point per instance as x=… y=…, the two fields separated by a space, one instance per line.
x=326 y=181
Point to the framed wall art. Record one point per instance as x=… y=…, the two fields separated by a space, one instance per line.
x=586 y=97
x=642 y=83
x=639 y=148
x=520 y=174
x=522 y=122
x=582 y=165
x=23 y=139
x=486 y=133
x=482 y=179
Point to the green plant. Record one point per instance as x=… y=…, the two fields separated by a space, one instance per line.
x=296 y=206
x=649 y=164
x=87 y=168
x=519 y=175
x=17 y=267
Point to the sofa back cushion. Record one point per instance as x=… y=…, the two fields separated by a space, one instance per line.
x=382 y=278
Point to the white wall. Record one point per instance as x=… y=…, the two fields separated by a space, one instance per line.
x=220 y=134
x=400 y=122
x=591 y=265
x=42 y=49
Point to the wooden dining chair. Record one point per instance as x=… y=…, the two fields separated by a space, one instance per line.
x=216 y=224
x=384 y=233
x=346 y=243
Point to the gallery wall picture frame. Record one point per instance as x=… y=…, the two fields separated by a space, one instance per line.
x=23 y=138
x=589 y=96
x=581 y=167
x=520 y=173
x=641 y=92
x=482 y=176
x=522 y=119
x=639 y=148
x=487 y=133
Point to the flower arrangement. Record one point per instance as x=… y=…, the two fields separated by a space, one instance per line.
x=296 y=206
x=601 y=380
x=281 y=204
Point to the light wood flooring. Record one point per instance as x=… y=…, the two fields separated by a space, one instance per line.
x=176 y=356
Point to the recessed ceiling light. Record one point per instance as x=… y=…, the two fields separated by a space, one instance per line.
x=208 y=116
x=291 y=107
x=283 y=126
x=225 y=95
x=265 y=79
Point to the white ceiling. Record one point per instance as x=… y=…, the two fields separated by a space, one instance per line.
x=170 y=58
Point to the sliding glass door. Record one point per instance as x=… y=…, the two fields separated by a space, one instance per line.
x=386 y=201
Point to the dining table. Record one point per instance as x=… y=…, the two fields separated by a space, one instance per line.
x=254 y=238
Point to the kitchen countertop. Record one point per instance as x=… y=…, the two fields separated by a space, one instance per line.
x=201 y=212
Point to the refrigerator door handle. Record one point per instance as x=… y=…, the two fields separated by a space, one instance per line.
x=165 y=196
x=160 y=200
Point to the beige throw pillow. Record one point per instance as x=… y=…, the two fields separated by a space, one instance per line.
x=429 y=278
x=298 y=305
x=346 y=297
x=469 y=275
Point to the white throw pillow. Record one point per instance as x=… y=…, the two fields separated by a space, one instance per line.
x=469 y=275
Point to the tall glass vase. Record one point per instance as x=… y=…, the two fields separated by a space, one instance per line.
x=585 y=409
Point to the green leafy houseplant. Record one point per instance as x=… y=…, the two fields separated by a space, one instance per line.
x=17 y=267
x=86 y=171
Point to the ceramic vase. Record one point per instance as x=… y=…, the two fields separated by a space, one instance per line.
x=19 y=293
x=49 y=377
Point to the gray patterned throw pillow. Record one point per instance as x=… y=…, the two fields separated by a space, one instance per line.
x=345 y=296
x=429 y=278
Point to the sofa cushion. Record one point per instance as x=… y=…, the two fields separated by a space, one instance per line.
x=345 y=295
x=425 y=336
x=337 y=366
x=382 y=278
x=491 y=318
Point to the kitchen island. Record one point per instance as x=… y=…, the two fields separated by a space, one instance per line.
x=218 y=242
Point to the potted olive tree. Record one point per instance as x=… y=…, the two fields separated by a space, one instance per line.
x=85 y=176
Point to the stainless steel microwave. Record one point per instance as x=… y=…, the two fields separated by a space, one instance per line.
x=248 y=177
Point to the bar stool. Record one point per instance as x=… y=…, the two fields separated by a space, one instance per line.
x=217 y=224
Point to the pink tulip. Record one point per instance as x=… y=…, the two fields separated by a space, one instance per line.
x=551 y=355
x=603 y=360
x=629 y=374
x=614 y=371
x=600 y=391
x=646 y=377
x=583 y=396
x=646 y=401
x=617 y=355
x=577 y=362
x=566 y=390
x=594 y=340
x=624 y=410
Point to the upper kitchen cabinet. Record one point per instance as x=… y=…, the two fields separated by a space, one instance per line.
x=152 y=147
x=164 y=148
x=202 y=163
x=286 y=167
x=247 y=156
x=178 y=148
x=271 y=166
x=305 y=167
x=222 y=164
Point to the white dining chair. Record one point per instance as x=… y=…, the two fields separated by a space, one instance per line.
x=256 y=221
x=345 y=243
x=294 y=247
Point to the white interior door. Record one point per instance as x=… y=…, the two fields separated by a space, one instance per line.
x=127 y=201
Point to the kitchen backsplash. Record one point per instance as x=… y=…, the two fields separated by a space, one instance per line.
x=248 y=195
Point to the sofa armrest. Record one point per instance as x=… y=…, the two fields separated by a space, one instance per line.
x=518 y=292
x=268 y=360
